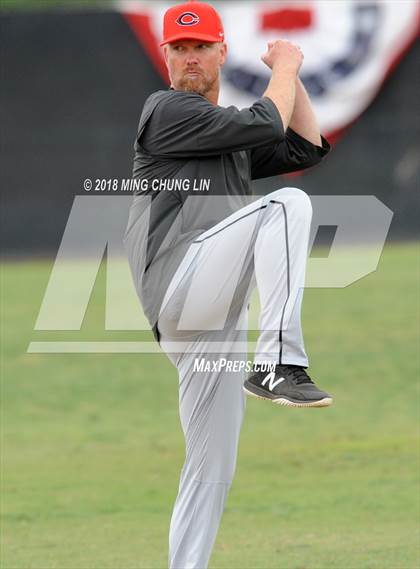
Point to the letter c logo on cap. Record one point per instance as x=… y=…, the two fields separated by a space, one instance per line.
x=187 y=19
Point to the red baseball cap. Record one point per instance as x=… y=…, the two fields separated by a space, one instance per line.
x=192 y=20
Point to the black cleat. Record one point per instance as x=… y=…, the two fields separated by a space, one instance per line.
x=288 y=385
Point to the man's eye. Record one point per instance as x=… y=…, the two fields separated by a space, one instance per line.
x=203 y=46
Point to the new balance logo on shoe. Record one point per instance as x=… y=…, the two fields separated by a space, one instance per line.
x=270 y=377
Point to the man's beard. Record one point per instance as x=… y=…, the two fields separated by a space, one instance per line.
x=201 y=85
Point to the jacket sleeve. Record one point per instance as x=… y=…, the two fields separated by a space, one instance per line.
x=291 y=154
x=186 y=125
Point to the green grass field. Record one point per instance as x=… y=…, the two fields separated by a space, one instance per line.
x=91 y=456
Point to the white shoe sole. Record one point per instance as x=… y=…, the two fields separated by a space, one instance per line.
x=325 y=402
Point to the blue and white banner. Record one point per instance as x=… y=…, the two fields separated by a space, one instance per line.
x=350 y=46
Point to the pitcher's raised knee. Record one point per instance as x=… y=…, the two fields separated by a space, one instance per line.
x=294 y=199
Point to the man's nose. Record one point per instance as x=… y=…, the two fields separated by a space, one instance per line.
x=191 y=59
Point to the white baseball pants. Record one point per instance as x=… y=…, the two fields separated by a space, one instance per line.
x=204 y=315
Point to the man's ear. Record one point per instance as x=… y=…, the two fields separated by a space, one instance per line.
x=165 y=54
x=223 y=53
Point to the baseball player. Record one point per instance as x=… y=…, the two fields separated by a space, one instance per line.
x=198 y=243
